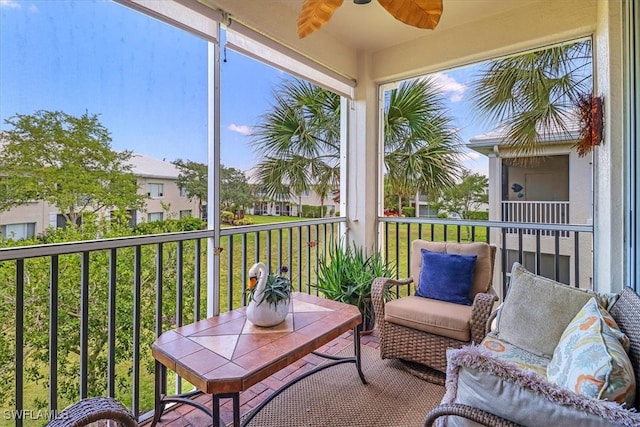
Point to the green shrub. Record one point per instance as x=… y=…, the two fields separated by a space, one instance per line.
x=170 y=226
x=479 y=215
x=227 y=217
x=310 y=211
x=243 y=221
x=409 y=211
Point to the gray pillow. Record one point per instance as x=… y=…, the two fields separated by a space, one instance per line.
x=537 y=310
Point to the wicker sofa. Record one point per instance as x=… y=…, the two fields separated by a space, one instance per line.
x=485 y=387
x=422 y=329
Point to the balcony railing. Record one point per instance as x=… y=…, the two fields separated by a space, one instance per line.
x=536 y=212
x=575 y=245
x=86 y=313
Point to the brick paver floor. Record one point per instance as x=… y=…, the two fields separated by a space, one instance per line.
x=186 y=415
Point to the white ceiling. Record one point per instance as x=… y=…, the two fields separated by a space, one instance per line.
x=362 y=27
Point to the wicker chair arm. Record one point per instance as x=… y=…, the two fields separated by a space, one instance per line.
x=91 y=410
x=480 y=312
x=468 y=412
x=491 y=318
x=378 y=288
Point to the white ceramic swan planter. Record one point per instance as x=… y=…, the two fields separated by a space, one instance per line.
x=263 y=313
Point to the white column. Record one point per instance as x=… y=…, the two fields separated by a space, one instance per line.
x=609 y=197
x=362 y=160
x=495 y=213
x=213 y=195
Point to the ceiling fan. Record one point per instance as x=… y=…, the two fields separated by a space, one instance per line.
x=418 y=13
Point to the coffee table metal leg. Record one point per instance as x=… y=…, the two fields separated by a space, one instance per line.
x=215 y=409
x=357 y=352
x=161 y=373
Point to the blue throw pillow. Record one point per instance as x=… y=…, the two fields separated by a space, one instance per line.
x=446 y=277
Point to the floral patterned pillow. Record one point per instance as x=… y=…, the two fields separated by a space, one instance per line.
x=590 y=358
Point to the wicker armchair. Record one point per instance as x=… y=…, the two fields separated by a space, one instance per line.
x=91 y=410
x=421 y=329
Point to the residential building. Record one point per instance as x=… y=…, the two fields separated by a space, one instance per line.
x=156 y=178
x=553 y=187
x=287 y=206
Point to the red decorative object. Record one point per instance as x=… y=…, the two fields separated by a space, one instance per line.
x=591 y=126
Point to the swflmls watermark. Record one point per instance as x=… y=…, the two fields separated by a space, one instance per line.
x=29 y=414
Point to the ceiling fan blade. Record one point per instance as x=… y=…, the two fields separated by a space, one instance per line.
x=418 y=13
x=314 y=14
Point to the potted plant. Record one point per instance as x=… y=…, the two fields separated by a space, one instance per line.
x=346 y=275
x=269 y=295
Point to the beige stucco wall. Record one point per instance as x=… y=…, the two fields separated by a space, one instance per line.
x=43 y=214
x=170 y=197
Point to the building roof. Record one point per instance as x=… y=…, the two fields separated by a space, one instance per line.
x=150 y=167
x=485 y=142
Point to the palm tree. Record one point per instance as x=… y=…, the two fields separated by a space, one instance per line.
x=532 y=94
x=299 y=141
x=421 y=144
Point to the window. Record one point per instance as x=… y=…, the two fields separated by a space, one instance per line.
x=19 y=231
x=183 y=192
x=155 y=216
x=61 y=221
x=185 y=213
x=155 y=190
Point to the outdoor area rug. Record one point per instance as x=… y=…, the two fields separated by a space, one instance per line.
x=335 y=397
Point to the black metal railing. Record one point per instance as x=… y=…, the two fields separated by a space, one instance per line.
x=86 y=313
x=83 y=315
x=561 y=252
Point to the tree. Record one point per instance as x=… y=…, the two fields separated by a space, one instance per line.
x=66 y=161
x=419 y=140
x=234 y=189
x=532 y=94
x=299 y=141
x=193 y=179
x=467 y=196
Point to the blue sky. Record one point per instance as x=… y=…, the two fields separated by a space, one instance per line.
x=147 y=80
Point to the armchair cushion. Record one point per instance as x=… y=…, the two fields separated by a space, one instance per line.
x=590 y=358
x=483 y=273
x=446 y=277
x=534 y=304
x=428 y=315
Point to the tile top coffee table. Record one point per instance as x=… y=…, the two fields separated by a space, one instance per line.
x=226 y=354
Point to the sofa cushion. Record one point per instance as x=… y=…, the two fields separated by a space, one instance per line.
x=482 y=276
x=446 y=277
x=432 y=316
x=510 y=353
x=476 y=378
x=535 y=304
x=590 y=358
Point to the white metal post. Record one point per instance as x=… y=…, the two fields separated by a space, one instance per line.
x=213 y=196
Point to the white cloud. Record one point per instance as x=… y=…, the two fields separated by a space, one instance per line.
x=449 y=86
x=471 y=155
x=10 y=4
x=33 y=9
x=243 y=129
